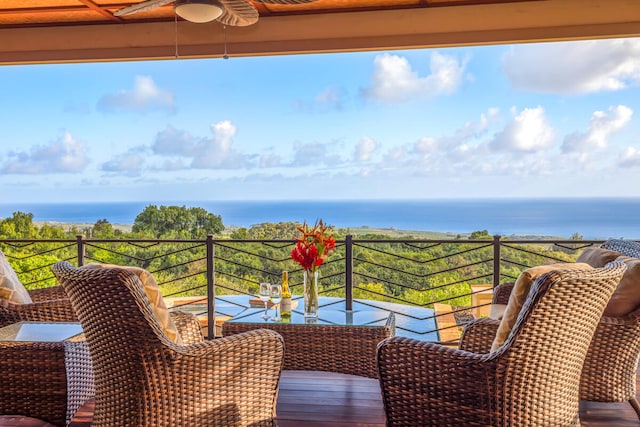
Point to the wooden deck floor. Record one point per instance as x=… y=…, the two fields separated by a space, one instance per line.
x=596 y=414
x=320 y=399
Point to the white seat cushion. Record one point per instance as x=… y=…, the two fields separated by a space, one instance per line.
x=11 y=289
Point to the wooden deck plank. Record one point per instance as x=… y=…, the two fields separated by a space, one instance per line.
x=602 y=414
x=308 y=398
x=599 y=414
x=18 y=421
x=322 y=399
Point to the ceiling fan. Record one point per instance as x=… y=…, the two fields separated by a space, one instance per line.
x=239 y=13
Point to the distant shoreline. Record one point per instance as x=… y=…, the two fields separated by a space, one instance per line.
x=356 y=231
x=593 y=219
x=66 y=226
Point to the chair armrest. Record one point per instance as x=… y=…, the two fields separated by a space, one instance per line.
x=502 y=292
x=424 y=383
x=188 y=326
x=478 y=335
x=45 y=294
x=59 y=310
x=79 y=372
x=231 y=378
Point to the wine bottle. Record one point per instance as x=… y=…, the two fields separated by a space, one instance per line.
x=285 y=304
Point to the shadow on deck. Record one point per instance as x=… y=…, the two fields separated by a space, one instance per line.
x=321 y=399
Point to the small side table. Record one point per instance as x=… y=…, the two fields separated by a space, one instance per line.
x=338 y=341
x=46 y=370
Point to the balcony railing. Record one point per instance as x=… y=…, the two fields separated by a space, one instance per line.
x=409 y=277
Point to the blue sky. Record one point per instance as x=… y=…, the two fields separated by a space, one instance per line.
x=531 y=120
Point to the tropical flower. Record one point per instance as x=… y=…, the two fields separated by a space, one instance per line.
x=313 y=246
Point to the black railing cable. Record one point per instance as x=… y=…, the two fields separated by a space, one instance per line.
x=218 y=263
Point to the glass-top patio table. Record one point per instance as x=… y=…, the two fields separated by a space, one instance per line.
x=41 y=332
x=410 y=321
x=338 y=341
x=372 y=317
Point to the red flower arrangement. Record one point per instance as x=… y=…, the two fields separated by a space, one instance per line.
x=313 y=246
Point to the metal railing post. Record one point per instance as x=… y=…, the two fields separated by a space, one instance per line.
x=348 y=255
x=211 y=289
x=496 y=260
x=81 y=249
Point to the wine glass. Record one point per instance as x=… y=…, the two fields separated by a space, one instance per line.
x=276 y=297
x=265 y=294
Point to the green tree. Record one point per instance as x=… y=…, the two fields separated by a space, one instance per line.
x=19 y=226
x=240 y=234
x=270 y=230
x=103 y=229
x=176 y=222
x=480 y=235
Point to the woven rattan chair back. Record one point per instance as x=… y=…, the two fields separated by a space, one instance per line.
x=549 y=343
x=625 y=247
x=143 y=379
x=610 y=370
x=532 y=380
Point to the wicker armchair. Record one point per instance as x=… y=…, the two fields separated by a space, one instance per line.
x=144 y=379
x=49 y=305
x=531 y=380
x=625 y=247
x=610 y=369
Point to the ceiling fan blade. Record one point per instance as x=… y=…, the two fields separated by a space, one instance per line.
x=284 y=1
x=238 y=13
x=141 y=7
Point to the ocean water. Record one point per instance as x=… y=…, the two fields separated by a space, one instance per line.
x=592 y=218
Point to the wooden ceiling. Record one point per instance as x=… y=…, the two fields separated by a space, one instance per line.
x=20 y=13
x=41 y=31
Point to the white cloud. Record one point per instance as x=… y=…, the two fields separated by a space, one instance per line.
x=601 y=126
x=395 y=157
x=216 y=152
x=173 y=165
x=492 y=115
x=574 y=67
x=269 y=160
x=224 y=132
x=313 y=153
x=145 y=96
x=426 y=145
x=630 y=158
x=365 y=149
x=434 y=156
x=394 y=80
x=469 y=131
x=129 y=163
x=330 y=98
x=66 y=155
x=173 y=142
x=529 y=131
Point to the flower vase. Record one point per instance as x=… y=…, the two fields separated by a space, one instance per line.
x=310 y=294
